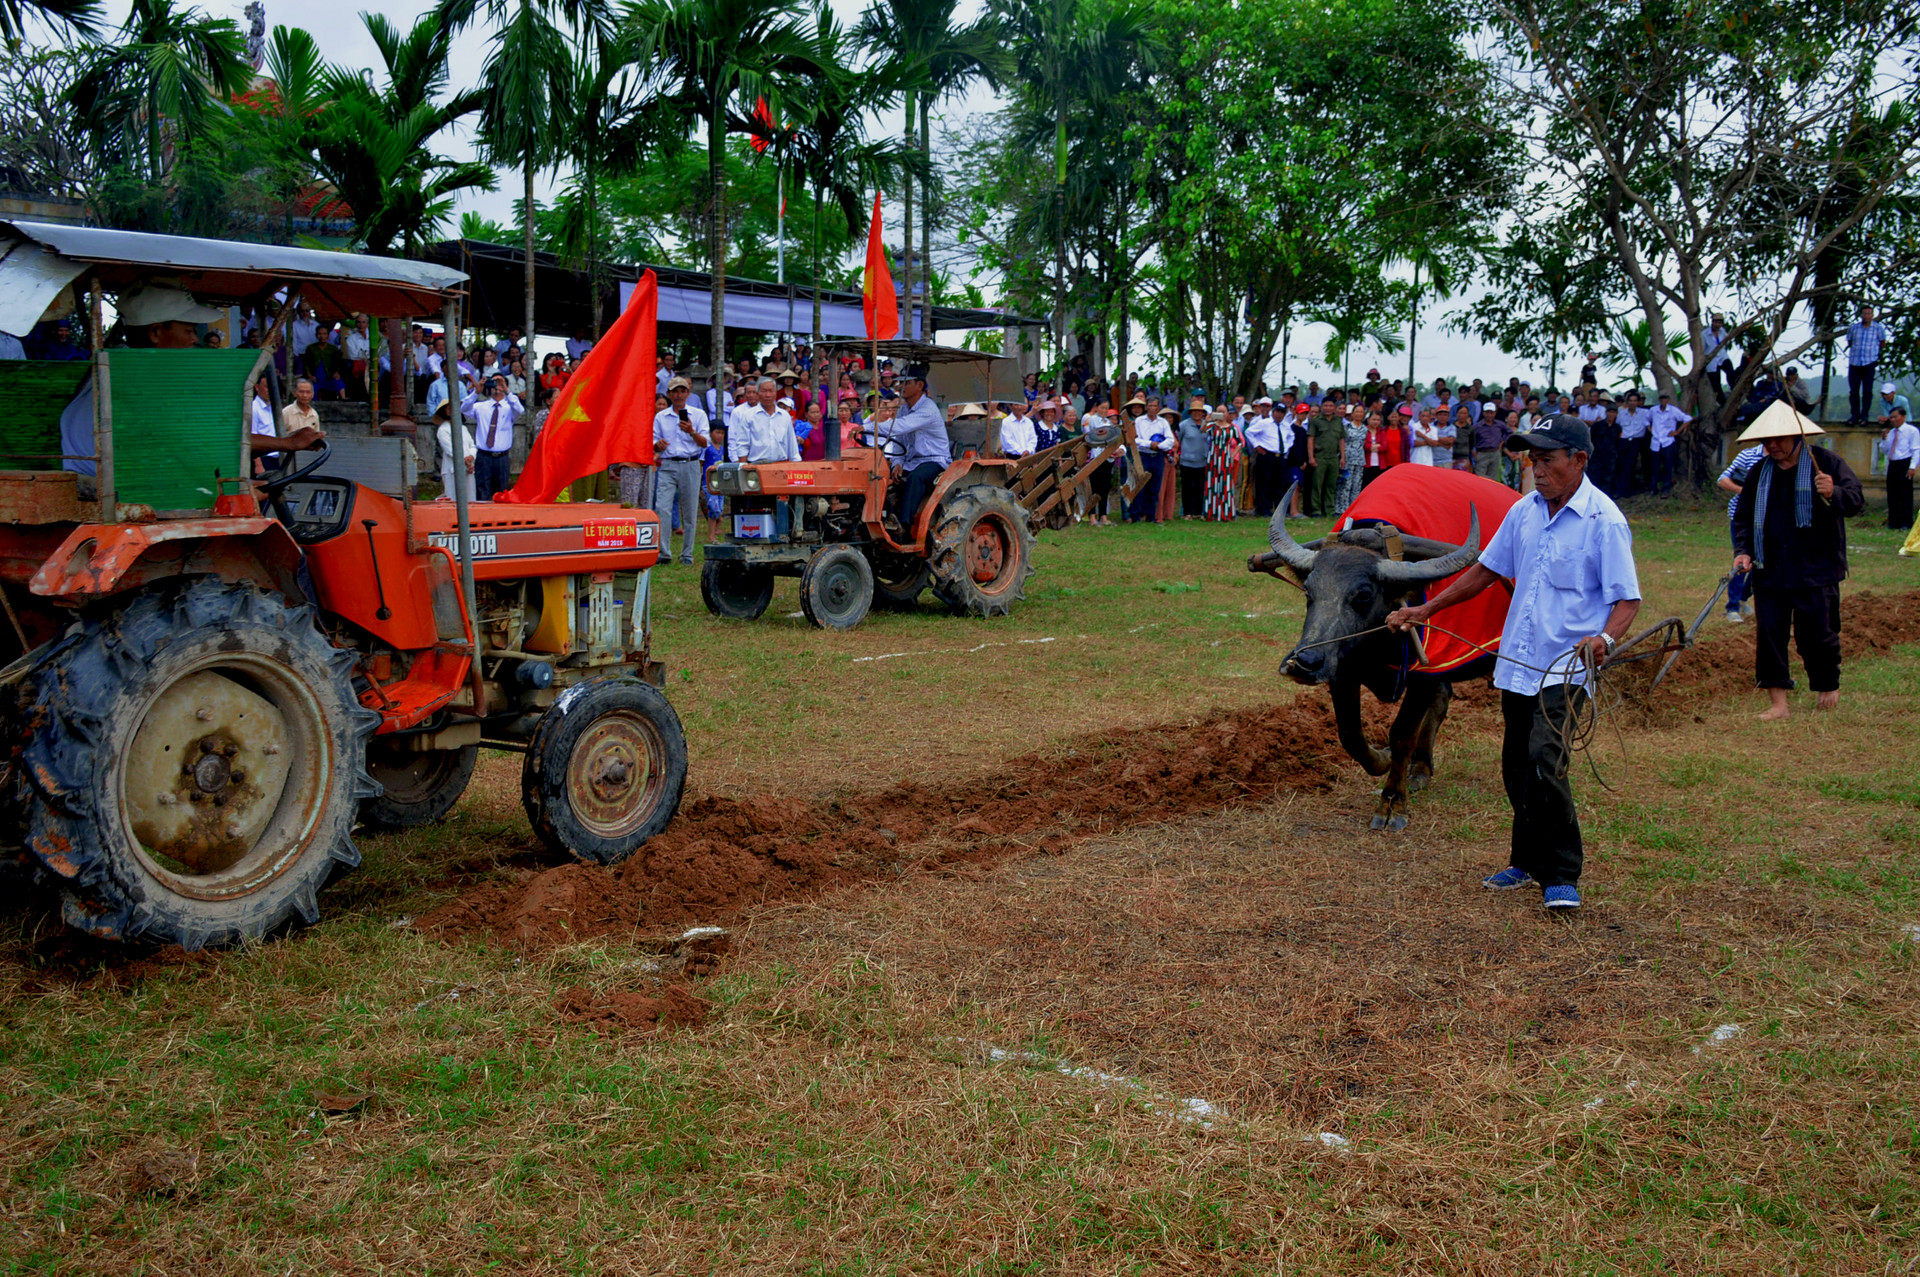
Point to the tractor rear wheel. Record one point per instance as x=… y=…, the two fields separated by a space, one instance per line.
x=195 y=761
x=420 y=786
x=736 y=591
x=605 y=769
x=836 y=590
x=982 y=551
x=898 y=580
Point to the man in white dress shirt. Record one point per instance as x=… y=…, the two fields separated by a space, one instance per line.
x=1636 y=426
x=493 y=418
x=1903 y=449
x=1666 y=423
x=1017 y=436
x=679 y=438
x=1269 y=458
x=762 y=430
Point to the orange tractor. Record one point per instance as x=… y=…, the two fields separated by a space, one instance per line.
x=834 y=523
x=212 y=679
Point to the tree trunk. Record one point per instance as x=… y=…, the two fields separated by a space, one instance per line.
x=717 y=240
x=527 y=216
x=818 y=195
x=1060 y=216
x=1413 y=326
x=926 y=228
x=906 y=239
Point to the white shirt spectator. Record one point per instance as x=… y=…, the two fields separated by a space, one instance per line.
x=1635 y=422
x=494 y=419
x=1666 y=423
x=263 y=422
x=306 y=331
x=356 y=345
x=1263 y=433
x=1017 y=435
x=670 y=442
x=1592 y=412
x=445 y=435
x=1146 y=428
x=760 y=435
x=1718 y=351
x=577 y=348
x=1903 y=442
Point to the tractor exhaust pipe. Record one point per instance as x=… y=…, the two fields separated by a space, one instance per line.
x=830 y=419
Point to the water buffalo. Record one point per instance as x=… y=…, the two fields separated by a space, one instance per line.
x=1351 y=584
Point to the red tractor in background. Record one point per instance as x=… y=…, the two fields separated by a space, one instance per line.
x=210 y=681
x=833 y=523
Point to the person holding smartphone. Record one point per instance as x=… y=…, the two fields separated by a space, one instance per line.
x=680 y=436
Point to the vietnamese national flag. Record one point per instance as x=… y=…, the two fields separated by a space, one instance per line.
x=604 y=414
x=762 y=115
x=882 y=308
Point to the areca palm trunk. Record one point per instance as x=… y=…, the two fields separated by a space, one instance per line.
x=717 y=233
x=527 y=340
x=1413 y=327
x=926 y=230
x=906 y=264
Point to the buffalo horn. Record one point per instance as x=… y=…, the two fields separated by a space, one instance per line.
x=1455 y=560
x=1291 y=552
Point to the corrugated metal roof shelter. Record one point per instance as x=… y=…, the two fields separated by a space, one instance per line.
x=563 y=302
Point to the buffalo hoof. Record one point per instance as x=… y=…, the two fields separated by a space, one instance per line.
x=1378 y=822
x=1398 y=823
x=1418 y=781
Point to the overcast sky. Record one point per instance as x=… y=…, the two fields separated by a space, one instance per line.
x=344 y=41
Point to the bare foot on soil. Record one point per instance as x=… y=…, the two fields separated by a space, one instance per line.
x=1775 y=713
x=1827 y=700
x=1779 y=709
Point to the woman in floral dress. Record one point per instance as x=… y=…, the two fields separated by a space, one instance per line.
x=1355 y=461
x=1223 y=454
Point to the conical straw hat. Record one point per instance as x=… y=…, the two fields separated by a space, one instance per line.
x=1779 y=421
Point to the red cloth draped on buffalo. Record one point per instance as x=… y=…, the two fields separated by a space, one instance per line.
x=1424 y=501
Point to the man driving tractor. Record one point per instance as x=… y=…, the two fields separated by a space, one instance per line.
x=923 y=435
x=156 y=318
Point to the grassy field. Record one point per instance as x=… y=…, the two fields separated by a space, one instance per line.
x=1254 y=1039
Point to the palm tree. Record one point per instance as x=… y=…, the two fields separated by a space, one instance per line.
x=930 y=58
x=1631 y=346
x=373 y=141
x=527 y=66
x=1353 y=326
x=170 y=73
x=80 y=16
x=829 y=152
x=717 y=53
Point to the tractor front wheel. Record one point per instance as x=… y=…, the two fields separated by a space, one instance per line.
x=420 y=786
x=982 y=551
x=605 y=769
x=195 y=761
x=836 y=590
x=735 y=591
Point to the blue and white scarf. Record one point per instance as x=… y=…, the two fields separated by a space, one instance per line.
x=1802 y=500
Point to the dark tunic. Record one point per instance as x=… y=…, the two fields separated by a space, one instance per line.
x=1797 y=557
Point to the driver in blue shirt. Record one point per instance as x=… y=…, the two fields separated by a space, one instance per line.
x=922 y=435
x=155 y=318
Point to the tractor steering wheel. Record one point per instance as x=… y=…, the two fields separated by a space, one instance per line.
x=892 y=449
x=274 y=483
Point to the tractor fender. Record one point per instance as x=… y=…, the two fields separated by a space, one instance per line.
x=964 y=473
x=99 y=559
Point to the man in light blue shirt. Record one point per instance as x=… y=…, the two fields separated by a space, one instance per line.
x=1569 y=554
x=920 y=430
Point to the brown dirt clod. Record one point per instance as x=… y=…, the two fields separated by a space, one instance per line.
x=624 y=1011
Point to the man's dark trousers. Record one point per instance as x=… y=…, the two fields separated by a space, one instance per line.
x=919 y=487
x=1145 y=506
x=1860 y=391
x=1533 y=764
x=490 y=474
x=1813 y=612
x=1267 y=473
x=1193 y=491
x=1899 y=495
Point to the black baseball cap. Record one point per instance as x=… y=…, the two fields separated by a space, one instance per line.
x=1561 y=431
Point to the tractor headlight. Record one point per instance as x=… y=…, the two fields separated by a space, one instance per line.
x=751 y=479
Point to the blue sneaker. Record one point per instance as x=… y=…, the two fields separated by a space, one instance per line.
x=1507 y=879
x=1563 y=897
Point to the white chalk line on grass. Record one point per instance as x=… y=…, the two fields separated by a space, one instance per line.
x=1198 y=1112
x=948 y=651
x=1725 y=1033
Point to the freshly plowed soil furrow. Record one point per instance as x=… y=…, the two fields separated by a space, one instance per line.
x=723 y=855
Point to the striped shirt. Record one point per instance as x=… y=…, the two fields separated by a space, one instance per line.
x=1738 y=470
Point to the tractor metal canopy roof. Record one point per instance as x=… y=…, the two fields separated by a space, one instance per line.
x=214 y=270
x=917 y=352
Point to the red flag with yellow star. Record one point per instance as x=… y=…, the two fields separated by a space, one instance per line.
x=604 y=414
x=882 y=308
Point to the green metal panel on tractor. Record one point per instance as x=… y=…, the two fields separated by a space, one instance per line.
x=176 y=420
